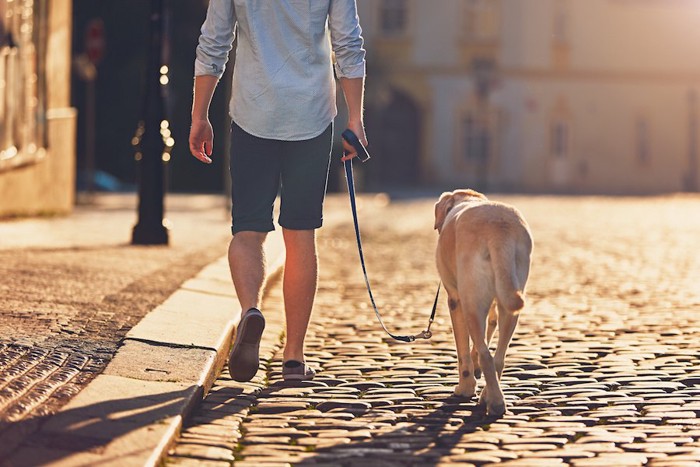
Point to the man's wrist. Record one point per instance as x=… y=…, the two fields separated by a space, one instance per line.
x=355 y=121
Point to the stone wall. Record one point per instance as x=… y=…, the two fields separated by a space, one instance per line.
x=46 y=185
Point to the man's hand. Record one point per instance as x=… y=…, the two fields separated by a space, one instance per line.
x=358 y=128
x=201 y=140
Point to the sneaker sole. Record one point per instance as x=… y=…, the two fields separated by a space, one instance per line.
x=244 y=359
x=298 y=378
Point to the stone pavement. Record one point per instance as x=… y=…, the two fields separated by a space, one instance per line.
x=604 y=368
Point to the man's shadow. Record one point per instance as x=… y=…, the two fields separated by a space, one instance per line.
x=91 y=428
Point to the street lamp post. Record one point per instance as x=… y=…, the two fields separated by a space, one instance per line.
x=151 y=155
x=691 y=178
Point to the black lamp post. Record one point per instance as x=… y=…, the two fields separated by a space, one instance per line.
x=152 y=145
x=691 y=178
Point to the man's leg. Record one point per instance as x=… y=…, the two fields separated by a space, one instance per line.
x=255 y=178
x=304 y=173
x=303 y=187
x=246 y=259
x=299 y=288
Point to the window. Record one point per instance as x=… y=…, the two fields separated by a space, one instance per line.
x=477 y=140
x=482 y=19
x=642 y=141
x=22 y=81
x=560 y=140
x=393 y=16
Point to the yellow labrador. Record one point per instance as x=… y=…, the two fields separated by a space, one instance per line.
x=483 y=257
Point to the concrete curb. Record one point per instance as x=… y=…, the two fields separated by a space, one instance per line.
x=131 y=413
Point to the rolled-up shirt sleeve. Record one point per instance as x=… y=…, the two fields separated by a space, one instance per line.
x=346 y=39
x=216 y=39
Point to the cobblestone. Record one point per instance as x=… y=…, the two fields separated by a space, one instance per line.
x=603 y=369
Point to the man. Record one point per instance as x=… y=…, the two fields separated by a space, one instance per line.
x=282 y=107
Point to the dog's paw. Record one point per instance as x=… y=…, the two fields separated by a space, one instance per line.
x=464 y=392
x=496 y=410
x=494 y=405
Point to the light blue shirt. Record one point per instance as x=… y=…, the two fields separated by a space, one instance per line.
x=283 y=85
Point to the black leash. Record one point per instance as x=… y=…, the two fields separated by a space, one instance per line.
x=362 y=154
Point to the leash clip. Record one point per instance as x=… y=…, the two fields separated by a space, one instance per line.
x=424 y=335
x=427 y=334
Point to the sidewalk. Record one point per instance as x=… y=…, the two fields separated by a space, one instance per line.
x=130 y=413
x=74 y=291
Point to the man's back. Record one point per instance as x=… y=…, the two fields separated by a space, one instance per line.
x=283 y=84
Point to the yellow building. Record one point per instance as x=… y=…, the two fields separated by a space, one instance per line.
x=37 y=124
x=594 y=96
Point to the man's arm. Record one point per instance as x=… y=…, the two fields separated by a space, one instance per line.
x=346 y=39
x=201 y=132
x=215 y=42
x=354 y=90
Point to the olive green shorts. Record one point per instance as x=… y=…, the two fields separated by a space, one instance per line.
x=263 y=168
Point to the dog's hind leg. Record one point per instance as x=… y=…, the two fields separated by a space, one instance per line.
x=507 y=321
x=491 y=395
x=490 y=329
x=508 y=317
x=467 y=382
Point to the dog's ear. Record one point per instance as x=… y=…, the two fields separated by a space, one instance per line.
x=442 y=207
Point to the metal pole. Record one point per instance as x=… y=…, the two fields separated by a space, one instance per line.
x=151 y=167
x=90 y=137
x=691 y=181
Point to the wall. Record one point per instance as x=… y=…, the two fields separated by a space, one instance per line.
x=599 y=65
x=47 y=186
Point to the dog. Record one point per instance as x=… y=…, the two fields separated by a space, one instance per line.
x=483 y=258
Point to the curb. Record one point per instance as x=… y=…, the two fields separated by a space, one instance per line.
x=132 y=412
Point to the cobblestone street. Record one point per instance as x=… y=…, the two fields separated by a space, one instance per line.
x=603 y=370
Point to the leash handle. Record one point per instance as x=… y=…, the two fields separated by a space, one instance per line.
x=351 y=138
x=427 y=334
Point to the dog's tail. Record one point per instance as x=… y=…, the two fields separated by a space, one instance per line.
x=509 y=291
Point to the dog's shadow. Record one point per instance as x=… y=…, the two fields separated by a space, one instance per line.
x=420 y=440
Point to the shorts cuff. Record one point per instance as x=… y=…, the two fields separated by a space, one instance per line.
x=301 y=224
x=251 y=227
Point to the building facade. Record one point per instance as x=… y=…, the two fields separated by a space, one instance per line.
x=563 y=96
x=37 y=124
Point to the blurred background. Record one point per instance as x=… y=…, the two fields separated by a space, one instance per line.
x=536 y=96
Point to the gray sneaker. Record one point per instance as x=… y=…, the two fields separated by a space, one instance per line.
x=244 y=359
x=294 y=370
